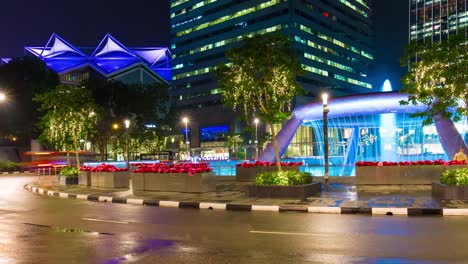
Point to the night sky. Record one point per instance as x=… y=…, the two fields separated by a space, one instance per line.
x=146 y=23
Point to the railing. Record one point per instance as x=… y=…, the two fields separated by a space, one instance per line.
x=47 y=171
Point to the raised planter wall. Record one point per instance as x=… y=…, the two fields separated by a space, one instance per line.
x=174 y=182
x=449 y=192
x=274 y=191
x=67 y=180
x=415 y=174
x=84 y=178
x=248 y=174
x=117 y=179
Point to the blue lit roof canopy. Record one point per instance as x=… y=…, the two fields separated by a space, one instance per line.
x=111 y=59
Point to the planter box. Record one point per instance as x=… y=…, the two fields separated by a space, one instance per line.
x=245 y=174
x=415 y=174
x=174 y=182
x=67 y=180
x=274 y=191
x=138 y=181
x=117 y=179
x=453 y=167
x=84 y=178
x=449 y=192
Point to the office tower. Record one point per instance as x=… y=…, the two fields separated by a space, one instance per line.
x=435 y=20
x=332 y=39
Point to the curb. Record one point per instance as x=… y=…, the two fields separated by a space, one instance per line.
x=390 y=211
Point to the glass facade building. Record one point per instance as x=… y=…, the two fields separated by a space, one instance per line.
x=434 y=20
x=332 y=38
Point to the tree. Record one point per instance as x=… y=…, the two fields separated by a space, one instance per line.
x=437 y=78
x=144 y=104
x=260 y=79
x=21 y=79
x=70 y=116
x=234 y=142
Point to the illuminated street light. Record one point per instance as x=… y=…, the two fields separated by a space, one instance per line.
x=187 y=142
x=2 y=97
x=127 y=125
x=115 y=126
x=325 y=134
x=256 y=138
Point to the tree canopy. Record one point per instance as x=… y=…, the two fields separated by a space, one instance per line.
x=21 y=79
x=260 y=79
x=143 y=104
x=437 y=77
x=70 y=116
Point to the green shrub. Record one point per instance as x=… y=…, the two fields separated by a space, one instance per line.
x=457 y=177
x=9 y=166
x=284 y=178
x=69 y=172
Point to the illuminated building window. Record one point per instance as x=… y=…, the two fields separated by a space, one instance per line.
x=228 y=17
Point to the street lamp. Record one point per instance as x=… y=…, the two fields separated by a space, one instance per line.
x=185 y=120
x=325 y=134
x=256 y=139
x=2 y=97
x=127 y=125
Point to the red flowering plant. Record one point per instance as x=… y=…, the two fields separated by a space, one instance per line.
x=190 y=168
x=455 y=162
x=86 y=168
x=259 y=163
x=102 y=168
x=409 y=163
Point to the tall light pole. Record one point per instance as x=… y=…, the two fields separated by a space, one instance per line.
x=187 y=142
x=325 y=134
x=256 y=138
x=127 y=125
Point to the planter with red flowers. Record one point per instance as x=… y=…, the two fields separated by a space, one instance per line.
x=84 y=175
x=248 y=171
x=109 y=176
x=407 y=172
x=184 y=177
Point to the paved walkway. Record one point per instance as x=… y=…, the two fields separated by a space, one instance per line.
x=340 y=192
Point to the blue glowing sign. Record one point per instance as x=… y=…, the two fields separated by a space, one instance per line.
x=214 y=133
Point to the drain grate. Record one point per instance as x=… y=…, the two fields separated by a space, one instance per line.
x=68 y=230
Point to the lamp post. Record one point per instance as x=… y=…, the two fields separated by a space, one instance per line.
x=325 y=134
x=2 y=97
x=256 y=139
x=127 y=125
x=187 y=143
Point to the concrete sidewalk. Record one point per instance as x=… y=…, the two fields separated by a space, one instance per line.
x=341 y=194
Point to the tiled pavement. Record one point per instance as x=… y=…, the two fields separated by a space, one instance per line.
x=340 y=192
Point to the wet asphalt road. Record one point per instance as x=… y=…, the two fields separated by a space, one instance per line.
x=39 y=229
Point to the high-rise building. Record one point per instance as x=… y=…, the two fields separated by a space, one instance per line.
x=434 y=20
x=332 y=38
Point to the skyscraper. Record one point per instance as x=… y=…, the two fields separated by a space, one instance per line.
x=332 y=38
x=435 y=20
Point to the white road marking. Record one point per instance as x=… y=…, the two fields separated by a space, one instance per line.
x=290 y=233
x=106 y=221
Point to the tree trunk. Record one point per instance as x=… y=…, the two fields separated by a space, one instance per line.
x=68 y=156
x=77 y=154
x=275 y=147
